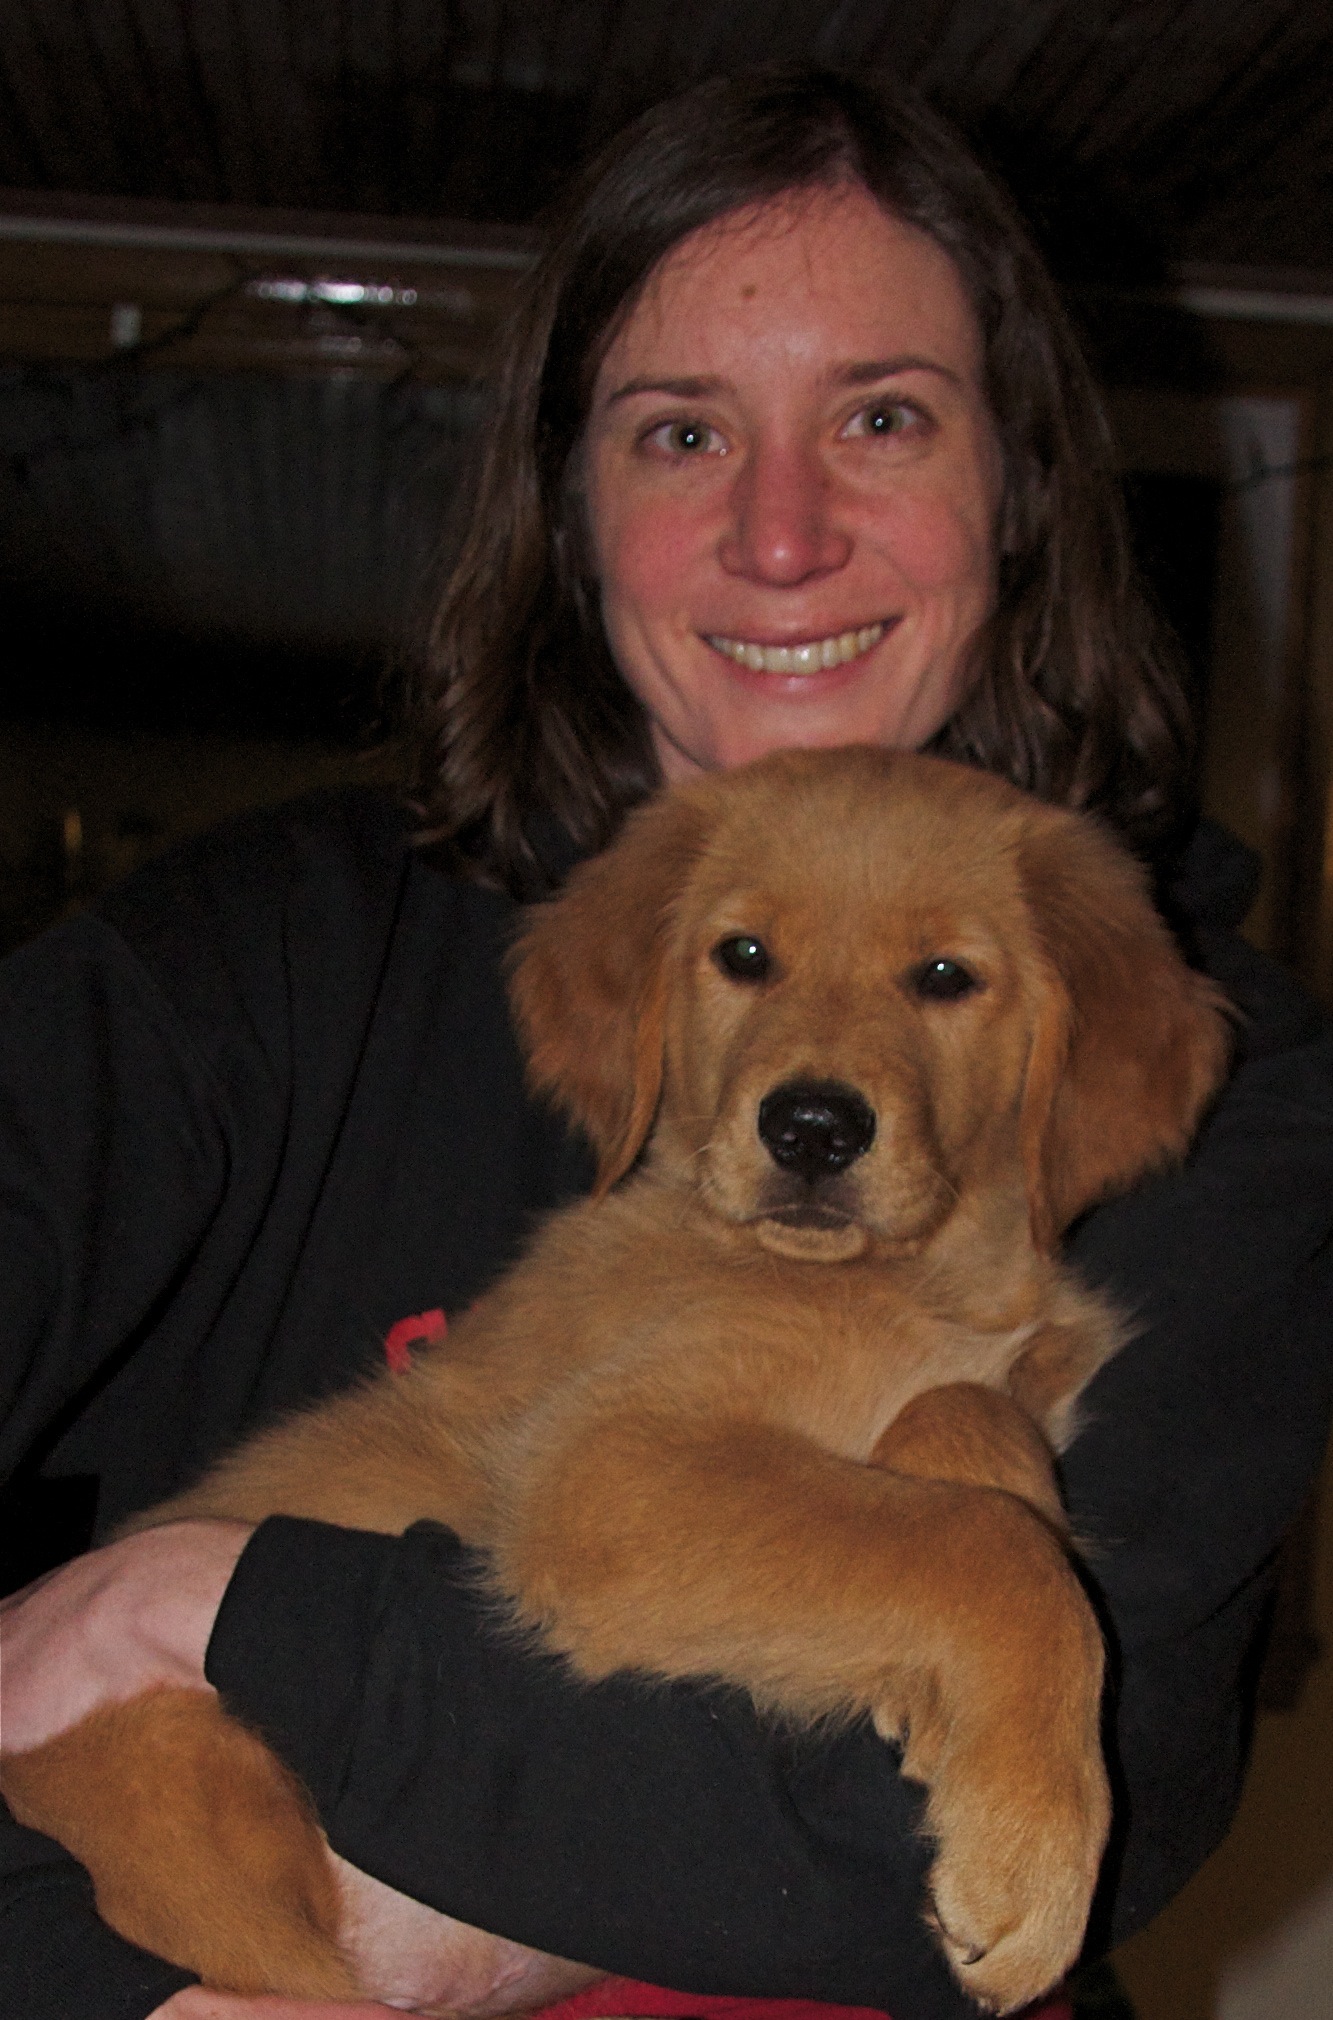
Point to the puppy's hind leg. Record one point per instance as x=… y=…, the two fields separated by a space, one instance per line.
x=203 y=1849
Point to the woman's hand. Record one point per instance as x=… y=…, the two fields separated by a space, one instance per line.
x=121 y=1620
x=138 y=1614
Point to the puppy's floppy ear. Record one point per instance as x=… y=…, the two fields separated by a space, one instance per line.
x=1129 y=1044
x=589 y=980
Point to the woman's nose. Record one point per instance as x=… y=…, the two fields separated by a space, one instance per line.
x=784 y=526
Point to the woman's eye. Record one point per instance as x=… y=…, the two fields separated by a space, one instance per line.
x=941 y=980
x=687 y=438
x=743 y=957
x=884 y=417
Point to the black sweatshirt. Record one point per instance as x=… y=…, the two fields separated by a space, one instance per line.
x=263 y=1102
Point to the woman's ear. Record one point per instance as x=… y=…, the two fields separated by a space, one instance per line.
x=1129 y=1044
x=589 y=979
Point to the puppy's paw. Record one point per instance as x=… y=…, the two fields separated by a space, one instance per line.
x=1014 y=1872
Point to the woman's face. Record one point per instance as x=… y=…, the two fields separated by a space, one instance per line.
x=792 y=483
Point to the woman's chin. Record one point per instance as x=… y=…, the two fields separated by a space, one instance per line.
x=723 y=746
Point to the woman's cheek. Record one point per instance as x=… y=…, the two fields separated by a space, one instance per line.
x=646 y=559
x=933 y=545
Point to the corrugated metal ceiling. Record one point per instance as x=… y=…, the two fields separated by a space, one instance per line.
x=1197 y=129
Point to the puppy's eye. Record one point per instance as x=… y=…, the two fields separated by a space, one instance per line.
x=942 y=980
x=744 y=958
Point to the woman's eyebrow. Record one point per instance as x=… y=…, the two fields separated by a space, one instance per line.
x=679 y=389
x=874 y=369
x=868 y=372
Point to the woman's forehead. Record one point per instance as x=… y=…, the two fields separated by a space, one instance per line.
x=821 y=275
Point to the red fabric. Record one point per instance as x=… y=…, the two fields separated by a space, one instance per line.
x=624 y=1996
x=425 y=1329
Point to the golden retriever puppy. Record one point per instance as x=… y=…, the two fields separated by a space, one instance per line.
x=855 y=1036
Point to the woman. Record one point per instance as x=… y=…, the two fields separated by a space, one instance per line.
x=791 y=447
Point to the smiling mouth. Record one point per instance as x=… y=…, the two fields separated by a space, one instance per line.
x=812 y=655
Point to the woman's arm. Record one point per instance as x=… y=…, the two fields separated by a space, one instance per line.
x=137 y=1615
x=1203 y=1437
x=101 y=1629
x=132 y=1616
x=665 y=1833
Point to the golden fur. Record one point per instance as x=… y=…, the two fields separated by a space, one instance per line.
x=725 y=1421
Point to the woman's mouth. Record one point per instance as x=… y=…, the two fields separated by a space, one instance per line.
x=810 y=655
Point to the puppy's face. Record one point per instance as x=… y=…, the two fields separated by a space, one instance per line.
x=834 y=993
x=849 y=1019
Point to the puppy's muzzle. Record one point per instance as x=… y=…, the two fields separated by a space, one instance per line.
x=815 y=1129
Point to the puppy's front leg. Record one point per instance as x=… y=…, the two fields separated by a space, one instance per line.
x=966 y=1432
x=948 y=1612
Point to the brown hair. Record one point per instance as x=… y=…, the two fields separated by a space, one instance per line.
x=529 y=746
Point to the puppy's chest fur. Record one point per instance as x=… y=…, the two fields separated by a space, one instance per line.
x=663 y=1301
x=640 y=1304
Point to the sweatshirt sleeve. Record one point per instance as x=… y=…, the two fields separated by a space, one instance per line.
x=660 y=1831
x=1202 y=1442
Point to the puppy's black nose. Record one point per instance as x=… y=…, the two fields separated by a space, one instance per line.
x=815 y=1128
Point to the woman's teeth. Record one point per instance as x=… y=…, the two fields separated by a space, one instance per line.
x=807 y=658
